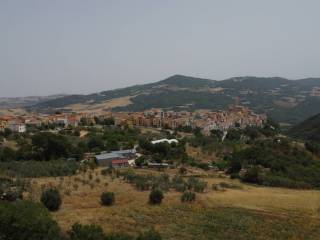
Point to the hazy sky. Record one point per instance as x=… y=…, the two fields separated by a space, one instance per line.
x=83 y=46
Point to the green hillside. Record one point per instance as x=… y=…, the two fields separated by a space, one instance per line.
x=308 y=130
x=288 y=101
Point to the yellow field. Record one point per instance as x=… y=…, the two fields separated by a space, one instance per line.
x=201 y=156
x=132 y=213
x=99 y=107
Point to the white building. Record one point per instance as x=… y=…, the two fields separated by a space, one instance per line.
x=165 y=140
x=17 y=127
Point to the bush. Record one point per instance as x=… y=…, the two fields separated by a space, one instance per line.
x=179 y=184
x=188 y=197
x=253 y=175
x=140 y=161
x=271 y=180
x=106 y=171
x=162 y=182
x=196 y=184
x=150 y=235
x=313 y=147
x=24 y=220
x=234 y=175
x=204 y=166
x=183 y=170
x=142 y=184
x=282 y=160
x=47 y=146
x=107 y=198
x=94 y=232
x=11 y=196
x=86 y=232
x=51 y=199
x=221 y=165
x=229 y=185
x=156 y=196
x=200 y=186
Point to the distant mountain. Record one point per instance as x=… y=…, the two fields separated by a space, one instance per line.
x=289 y=101
x=308 y=129
x=20 y=102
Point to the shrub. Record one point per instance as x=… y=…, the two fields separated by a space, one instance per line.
x=221 y=165
x=107 y=171
x=140 y=161
x=183 y=170
x=86 y=232
x=150 y=235
x=234 y=175
x=188 y=197
x=23 y=220
x=276 y=162
x=129 y=176
x=313 y=147
x=229 y=185
x=162 y=182
x=51 y=199
x=200 y=186
x=271 y=180
x=156 y=196
x=107 y=198
x=252 y=175
x=179 y=184
x=47 y=145
x=204 y=166
x=11 y=195
x=142 y=184
x=196 y=184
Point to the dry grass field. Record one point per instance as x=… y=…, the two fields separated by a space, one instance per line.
x=99 y=107
x=246 y=212
x=198 y=154
x=12 y=111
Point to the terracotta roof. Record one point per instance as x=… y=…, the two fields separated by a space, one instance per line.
x=118 y=161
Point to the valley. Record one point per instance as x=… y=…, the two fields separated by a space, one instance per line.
x=254 y=181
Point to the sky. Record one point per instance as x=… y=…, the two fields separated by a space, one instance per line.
x=81 y=46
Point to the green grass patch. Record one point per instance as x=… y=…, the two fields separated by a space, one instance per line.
x=189 y=222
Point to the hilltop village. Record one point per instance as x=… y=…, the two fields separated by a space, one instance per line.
x=235 y=116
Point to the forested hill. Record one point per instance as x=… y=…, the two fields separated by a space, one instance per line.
x=289 y=101
x=308 y=130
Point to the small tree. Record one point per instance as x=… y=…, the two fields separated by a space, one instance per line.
x=86 y=232
x=107 y=198
x=51 y=199
x=10 y=195
x=253 y=175
x=183 y=170
x=179 y=184
x=140 y=161
x=26 y=220
x=156 y=196
x=196 y=184
x=188 y=197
